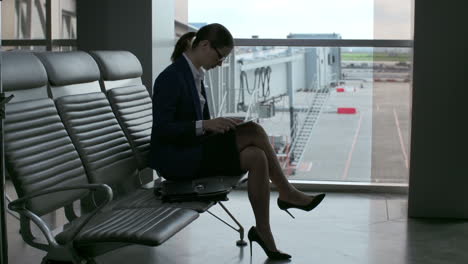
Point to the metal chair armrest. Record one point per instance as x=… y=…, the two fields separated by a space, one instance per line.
x=19 y=205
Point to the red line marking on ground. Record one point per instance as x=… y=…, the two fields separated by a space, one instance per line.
x=346 y=110
x=350 y=155
x=402 y=144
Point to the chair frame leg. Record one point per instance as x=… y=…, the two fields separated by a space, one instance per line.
x=241 y=242
x=8 y=200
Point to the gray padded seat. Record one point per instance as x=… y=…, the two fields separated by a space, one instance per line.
x=40 y=157
x=88 y=117
x=129 y=98
x=132 y=105
x=106 y=154
x=143 y=226
x=121 y=74
x=39 y=152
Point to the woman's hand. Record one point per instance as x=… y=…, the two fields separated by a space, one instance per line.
x=220 y=124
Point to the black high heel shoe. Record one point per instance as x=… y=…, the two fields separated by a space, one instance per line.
x=283 y=205
x=253 y=236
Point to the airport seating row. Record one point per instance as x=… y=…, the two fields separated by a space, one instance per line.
x=78 y=129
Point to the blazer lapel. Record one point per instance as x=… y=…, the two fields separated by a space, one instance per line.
x=188 y=76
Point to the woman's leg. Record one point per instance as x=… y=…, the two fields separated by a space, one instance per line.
x=252 y=134
x=254 y=161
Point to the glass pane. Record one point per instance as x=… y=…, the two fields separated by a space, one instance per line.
x=393 y=19
x=64 y=48
x=64 y=22
x=23 y=19
x=360 y=19
x=334 y=114
x=26 y=19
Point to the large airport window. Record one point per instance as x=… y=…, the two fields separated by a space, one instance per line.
x=345 y=122
x=337 y=113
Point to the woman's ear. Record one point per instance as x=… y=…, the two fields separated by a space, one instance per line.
x=204 y=43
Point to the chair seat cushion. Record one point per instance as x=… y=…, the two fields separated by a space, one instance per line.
x=144 y=226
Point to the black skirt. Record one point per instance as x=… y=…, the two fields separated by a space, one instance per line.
x=220 y=156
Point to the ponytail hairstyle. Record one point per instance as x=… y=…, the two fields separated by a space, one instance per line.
x=183 y=44
x=218 y=36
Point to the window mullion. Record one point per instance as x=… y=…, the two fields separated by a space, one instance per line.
x=49 y=25
x=326 y=43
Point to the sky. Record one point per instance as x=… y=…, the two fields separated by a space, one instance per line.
x=352 y=19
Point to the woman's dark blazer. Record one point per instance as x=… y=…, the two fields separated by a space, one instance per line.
x=176 y=151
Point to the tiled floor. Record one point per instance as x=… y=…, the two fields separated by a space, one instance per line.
x=344 y=229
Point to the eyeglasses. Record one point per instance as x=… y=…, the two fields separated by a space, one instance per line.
x=220 y=56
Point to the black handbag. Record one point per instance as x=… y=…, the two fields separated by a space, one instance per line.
x=188 y=191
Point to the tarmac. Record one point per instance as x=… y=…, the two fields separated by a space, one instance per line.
x=369 y=146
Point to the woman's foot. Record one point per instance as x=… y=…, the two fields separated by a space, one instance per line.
x=267 y=237
x=263 y=240
x=304 y=203
x=296 y=197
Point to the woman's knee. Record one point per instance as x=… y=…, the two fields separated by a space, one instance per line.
x=250 y=128
x=256 y=129
x=253 y=132
x=253 y=156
